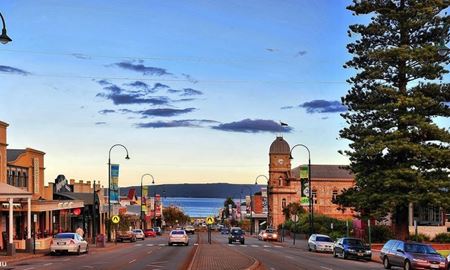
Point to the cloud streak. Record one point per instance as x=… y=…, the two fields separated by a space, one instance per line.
x=176 y=123
x=166 y=112
x=253 y=126
x=323 y=106
x=141 y=68
x=13 y=70
x=106 y=111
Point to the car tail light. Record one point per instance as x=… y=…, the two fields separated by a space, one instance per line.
x=265 y=234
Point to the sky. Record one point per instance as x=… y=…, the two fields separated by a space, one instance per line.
x=195 y=90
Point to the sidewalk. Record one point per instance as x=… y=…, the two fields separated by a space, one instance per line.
x=215 y=256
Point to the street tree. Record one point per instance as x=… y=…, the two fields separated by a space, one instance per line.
x=398 y=110
x=226 y=204
x=174 y=215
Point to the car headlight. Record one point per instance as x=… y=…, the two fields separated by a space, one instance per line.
x=275 y=235
x=419 y=260
x=368 y=251
x=350 y=250
x=265 y=235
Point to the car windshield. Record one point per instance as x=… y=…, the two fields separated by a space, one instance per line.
x=65 y=235
x=149 y=230
x=238 y=232
x=137 y=231
x=270 y=231
x=354 y=242
x=323 y=239
x=177 y=232
x=421 y=249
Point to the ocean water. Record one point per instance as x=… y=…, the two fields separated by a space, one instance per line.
x=197 y=207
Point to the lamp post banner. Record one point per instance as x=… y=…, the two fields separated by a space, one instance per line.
x=157 y=205
x=248 y=205
x=304 y=172
x=144 y=194
x=264 y=200
x=114 y=183
x=304 y=192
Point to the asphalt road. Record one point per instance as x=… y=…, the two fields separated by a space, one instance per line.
x=276 y=257
x=152 y=253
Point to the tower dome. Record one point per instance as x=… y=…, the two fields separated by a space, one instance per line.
x=279 y=146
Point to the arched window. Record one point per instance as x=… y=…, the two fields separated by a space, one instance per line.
x=314 y=195
x=9 y=177
x=335 y=193
x=17 y=179
x=25 y=179
x=283 y=203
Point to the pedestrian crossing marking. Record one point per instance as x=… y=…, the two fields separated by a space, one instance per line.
x=138 y=245
x=150 y=245
x=266 y=246
x=255 y=246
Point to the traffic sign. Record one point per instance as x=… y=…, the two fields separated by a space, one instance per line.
x=209 y=220
x=115 y=219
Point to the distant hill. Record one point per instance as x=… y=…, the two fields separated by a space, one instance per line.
x=213 y=190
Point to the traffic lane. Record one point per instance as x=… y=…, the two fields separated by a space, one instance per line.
x=278 y=257
x=97 y=258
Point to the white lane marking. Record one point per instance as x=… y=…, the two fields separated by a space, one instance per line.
x=266 y=250
x=278 y=246
x=162 y=245
x=150 y=245
x=88 y=266
x=47 y=264
x=138 y=245
x=230 y=245
x=66 y=260
x=150 y=252
x=29 y=268
x=266 y=246
x=255 y=246
x=289 y=257
x=326 y=268
x=195 y=244
x=271 y=268
x=243 y=245
x=132 y=261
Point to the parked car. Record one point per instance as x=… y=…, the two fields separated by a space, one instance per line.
x=149 y=233
x=139 y=234
x=125 y=235
x=236 y=235
x=178 y=237
x=225 y=230
x=68 y=242
x=157 y=230
x=190 y=229
x=320 y=242
x=267 y=235
x=347 y=247
x=448 y=262
x=411 y=255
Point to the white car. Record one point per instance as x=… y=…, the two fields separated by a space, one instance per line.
x=68 y=242
x=320 y=242
x=139 y=234
x=178 y=237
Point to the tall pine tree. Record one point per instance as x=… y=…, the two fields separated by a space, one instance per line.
x=398 y=153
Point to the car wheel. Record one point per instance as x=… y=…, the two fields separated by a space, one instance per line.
x=229 y=242
x=344 y=255
x=334 y=253
x=187 y=244
x=170 y=244
x=407 y=265
x=309 y=247
x=79 y=250
x=386 y=263
x=87 y=249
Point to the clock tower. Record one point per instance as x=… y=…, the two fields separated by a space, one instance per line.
x=282 y=189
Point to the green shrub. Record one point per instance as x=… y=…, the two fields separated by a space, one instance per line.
x=420 y=237
x=381 y=233
x=442 y=238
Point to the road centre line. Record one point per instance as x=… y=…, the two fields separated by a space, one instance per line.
x=47 y=264
x=29 y=268
x=150 y=252
x=132 y=261
x=326 y=268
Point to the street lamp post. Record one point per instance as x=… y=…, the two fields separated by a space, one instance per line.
x=142 y=197
x=310 y=198
x=269 y=220
x=154 y=202
x=251 y=210
x=109 y=186
x=4 y=37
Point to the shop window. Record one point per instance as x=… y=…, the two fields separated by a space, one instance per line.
x=25 y=179
x=9 y=177
x=17 y=179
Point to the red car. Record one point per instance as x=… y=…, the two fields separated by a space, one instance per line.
x=149 y=233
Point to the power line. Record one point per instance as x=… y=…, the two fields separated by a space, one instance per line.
x=71 y=76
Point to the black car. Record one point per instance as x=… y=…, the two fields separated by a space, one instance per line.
x=224 y=230
x=236 y=235
x=347 y=247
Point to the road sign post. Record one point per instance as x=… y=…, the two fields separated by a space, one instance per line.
x=209 y=221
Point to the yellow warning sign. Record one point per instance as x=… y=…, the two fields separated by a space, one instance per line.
x=209 y=220
x=115 y=219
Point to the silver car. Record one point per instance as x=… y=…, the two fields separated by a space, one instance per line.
x=68 y=242
x=178 y=237
x=320 y=242
x=139 y=234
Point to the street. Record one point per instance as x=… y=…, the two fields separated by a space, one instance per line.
x=154 y=253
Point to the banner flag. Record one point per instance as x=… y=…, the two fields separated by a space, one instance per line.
x=304 y=172
x=114 y=183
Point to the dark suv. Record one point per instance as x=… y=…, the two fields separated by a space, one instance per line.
x=411 y=255
x=347 y=247
x=236 y=235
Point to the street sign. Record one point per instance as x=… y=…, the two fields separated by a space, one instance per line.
x=115 y=219
x=209 y=220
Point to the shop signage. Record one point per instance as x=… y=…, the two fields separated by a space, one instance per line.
x=36 y=174
x=77 y=211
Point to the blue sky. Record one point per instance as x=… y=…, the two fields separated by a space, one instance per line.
x=194 y=89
